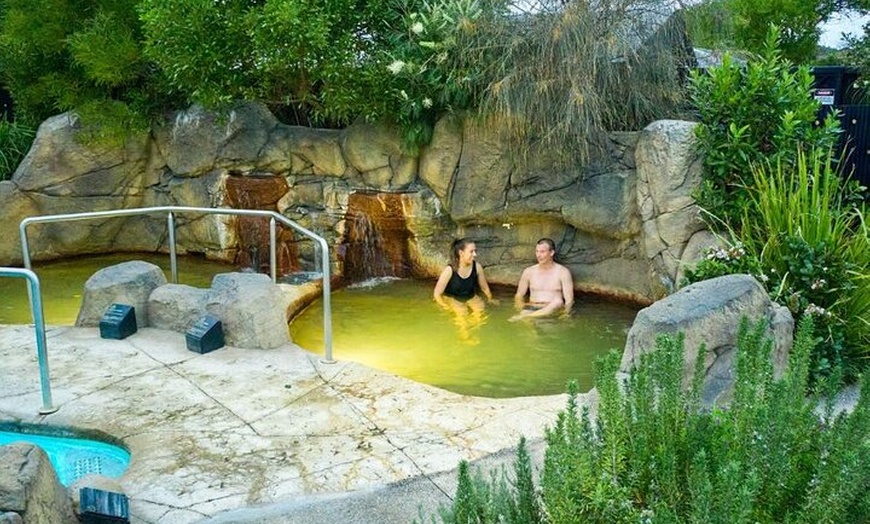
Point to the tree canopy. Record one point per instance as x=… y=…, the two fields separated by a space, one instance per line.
x=550 y=72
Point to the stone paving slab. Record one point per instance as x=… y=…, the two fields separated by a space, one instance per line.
x=237 y=428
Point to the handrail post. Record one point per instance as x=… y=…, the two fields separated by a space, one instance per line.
x=327 y=301
x=39 y=326
x=173 y=260
x=273 y=257
x=25 y=248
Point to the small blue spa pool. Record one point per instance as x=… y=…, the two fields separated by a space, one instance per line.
x=73 y=458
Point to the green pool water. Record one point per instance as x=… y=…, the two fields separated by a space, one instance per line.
x=397 y=327
x=393 y=325
x=62 y=283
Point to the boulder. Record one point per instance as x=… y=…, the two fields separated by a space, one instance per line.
x=30 y=488
x=10 y=517
x=196 y=141
x=16 y=206
x=375 y=153
x=483 y=175
x=252 y=309
x=129 y=283
x=303 y=151
x=176 y=307
x=710 y=312
x=439 y=159
x=668 y=173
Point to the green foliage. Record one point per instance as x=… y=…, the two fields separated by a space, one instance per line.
x=799 y=20
x=804 y=236
x=719 y=261
x=499 y=500
x=560 y=79
x=654 y=455
x=15 y=140
x=710 y=24
x=812 y=240
x=83 y=55
x=560 y=76
x=305 y=60
x=857 y=54
x=761 y=112
x=425 y=58
x=743 y=25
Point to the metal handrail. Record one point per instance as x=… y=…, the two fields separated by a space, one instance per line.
x=39 y=326
x=172 y=210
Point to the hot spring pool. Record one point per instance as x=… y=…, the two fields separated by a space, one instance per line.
x=63 y=281
x=394 y=325
x=72 y=458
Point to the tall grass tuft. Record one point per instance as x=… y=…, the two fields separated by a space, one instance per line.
x=15 y=140
x=811 y=241
x=560 y=75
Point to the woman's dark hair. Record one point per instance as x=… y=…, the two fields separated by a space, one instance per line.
x=459 y=245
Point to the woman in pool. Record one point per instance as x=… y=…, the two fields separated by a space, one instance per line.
x=460 y=284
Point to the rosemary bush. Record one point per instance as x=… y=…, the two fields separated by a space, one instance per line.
x=653 y=454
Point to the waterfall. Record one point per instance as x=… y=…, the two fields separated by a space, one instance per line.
x=376 y=238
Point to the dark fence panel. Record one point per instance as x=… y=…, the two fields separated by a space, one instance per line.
x=855 y=121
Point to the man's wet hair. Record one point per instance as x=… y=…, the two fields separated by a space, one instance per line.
x=548 y=241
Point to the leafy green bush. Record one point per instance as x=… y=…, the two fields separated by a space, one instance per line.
x=654 y=455
x=429 y=75
x=57 y=55
x=804 y=236
x=719 y=261
x=812 y=238
x=760 y=112
x=15 y=140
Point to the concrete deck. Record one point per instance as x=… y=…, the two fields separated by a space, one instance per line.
x=240 y=435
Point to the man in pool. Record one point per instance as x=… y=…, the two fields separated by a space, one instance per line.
x=548 y=283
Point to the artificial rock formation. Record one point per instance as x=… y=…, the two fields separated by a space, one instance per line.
x=129 y=283
x=253 y=310
x=621 y=223
x=710 y=313
x=29 y=487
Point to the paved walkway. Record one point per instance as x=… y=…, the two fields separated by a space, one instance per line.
x=213 y=436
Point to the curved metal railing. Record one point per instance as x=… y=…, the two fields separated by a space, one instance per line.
x=170 y=212
x=39 y=326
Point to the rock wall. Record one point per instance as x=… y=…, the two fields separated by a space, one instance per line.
x=621 y=224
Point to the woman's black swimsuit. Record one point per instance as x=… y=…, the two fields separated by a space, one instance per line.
x=462 y=288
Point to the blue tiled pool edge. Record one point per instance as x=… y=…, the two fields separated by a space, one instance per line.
x=73 y=452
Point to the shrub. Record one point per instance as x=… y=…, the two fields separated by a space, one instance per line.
x=654 y=455
x=428 y=74
x=804 y=236
x=15 y=140
x=812 y=240
x=500 y=500
x=749 y=115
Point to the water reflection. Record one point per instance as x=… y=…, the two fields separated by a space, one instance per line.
x=397 y=327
